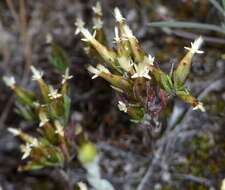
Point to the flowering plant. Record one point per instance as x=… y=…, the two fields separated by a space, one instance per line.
x=143 y=88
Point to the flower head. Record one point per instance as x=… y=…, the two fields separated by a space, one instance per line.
x=151 y=59
x=199 y=107
x=98 y=70
x=118 y=15
x=85 y=32
x=80 y=25
x=97 y=9
x=98 y=23
x=66 y=76
x=59 y=128
x=128 y=32
x=53 y=94
x=43 y=118
x=142 y=71
x=37 y=75
x=125 y=63
x=9 y=81
x=26 y=150
x=195 y=46
x=122 y=106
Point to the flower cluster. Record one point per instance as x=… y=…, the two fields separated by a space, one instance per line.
x=143 y=88
x=50 y=111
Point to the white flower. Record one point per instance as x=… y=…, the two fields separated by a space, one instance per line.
x=34 y=142
x=97 y=9
x=9 y=81
x=118 y=15
x=80 y=29
x=128 y=32
x=151 y=59
x=80 y=25
x=125 y=63
x=43 y=118
x=26 y=150
x=37 y=75
x=122 y=106
x=142 y=71
x=53 y=94
x=195 y=46
x=66 y=76
x=98 y=70
x=98 y=23
x=59 y=128
x=223 y=185
x=199 y=107
x=14 y=131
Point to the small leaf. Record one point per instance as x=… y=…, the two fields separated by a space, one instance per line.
x=162 y=79
x=59 y=58
x=182 y=71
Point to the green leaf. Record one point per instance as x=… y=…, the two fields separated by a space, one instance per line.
x=59 y=58
x=223 y=1
x=182 y=70
x=26 y=113
x=162 y=79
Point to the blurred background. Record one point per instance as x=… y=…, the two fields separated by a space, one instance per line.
x=190 y=157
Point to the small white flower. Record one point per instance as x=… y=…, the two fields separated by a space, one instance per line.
x=151 y=59
x=14 y=131
x=59 y=128
x=195 y=46
x=125 y=63
x=85 y=32
x=34 y=142
x=80 y=25
x=97 y=9
x=9 y=81
x=53 y=94
x=122 y=106
x=37 y=75
x=43 y=118
x=26 y=150
x=66 y=76
x=118 y=15
x=223 y=185
x=142 y=71
x=98 y=23
x=128 y=32
x=88 y=37
x=98 y=70
x=199 y=107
